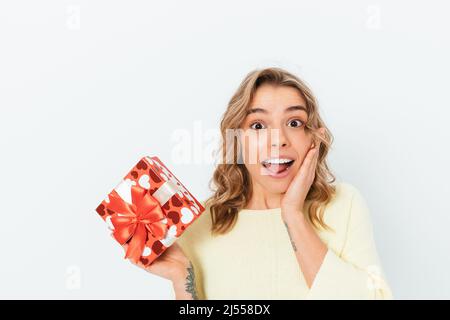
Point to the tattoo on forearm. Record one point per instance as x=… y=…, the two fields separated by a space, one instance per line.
x=190 y=282
x=290 y=238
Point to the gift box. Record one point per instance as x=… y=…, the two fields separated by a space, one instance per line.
x=148 y=210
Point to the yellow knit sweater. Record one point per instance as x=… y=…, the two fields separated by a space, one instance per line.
x=255 y=260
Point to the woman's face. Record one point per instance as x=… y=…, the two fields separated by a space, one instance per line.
x=274 y=139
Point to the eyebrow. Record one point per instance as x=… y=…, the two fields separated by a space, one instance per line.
x=288 y=109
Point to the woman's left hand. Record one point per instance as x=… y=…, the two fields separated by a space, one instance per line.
x=294 y=197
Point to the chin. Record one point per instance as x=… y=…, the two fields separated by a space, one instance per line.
x=277 y=187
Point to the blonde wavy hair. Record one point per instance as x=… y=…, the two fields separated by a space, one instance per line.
x=231 y=183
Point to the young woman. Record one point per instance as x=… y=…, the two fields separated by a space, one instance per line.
x=277 y=225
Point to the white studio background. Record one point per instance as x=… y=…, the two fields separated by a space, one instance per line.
x=88 y=87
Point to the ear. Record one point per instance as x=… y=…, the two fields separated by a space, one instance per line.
x=321 y=131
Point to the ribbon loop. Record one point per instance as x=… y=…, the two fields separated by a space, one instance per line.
x=134 y=223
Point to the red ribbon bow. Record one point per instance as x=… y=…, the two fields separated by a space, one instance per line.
x=135 y=223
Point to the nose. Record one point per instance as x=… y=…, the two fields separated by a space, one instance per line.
x=275 y=144
x=278 y=138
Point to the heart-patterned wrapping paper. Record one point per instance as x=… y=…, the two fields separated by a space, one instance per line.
x=149 y=210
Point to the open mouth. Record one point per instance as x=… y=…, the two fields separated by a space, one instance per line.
x=277 y=166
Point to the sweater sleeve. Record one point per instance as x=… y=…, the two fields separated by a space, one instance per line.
x=355 y=272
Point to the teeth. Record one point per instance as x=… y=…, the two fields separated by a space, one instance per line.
x=277 y=161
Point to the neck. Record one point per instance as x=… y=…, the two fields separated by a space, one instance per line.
x=262 y=199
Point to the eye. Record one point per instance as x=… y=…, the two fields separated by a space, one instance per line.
x=296 y=123
x=257 y=126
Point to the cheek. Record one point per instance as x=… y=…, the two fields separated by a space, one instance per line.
x=302 y=149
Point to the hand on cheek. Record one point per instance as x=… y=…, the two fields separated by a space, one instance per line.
x=294 y=198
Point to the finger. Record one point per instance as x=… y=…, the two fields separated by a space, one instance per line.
x=317 y=153
x=314 y=162
x=312 y=165
x=309 y=158
x=316 y=147
x=306 y=164
x=310 y=161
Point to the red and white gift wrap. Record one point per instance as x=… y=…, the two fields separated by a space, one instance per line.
x=148 y=210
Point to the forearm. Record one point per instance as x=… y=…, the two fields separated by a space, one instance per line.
x=185 y=285
x=308 y=247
